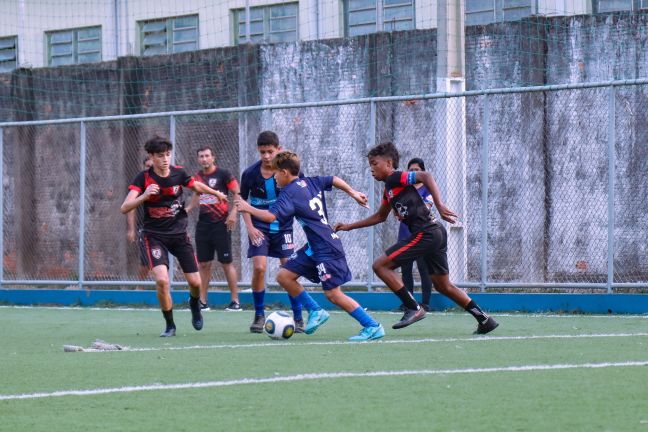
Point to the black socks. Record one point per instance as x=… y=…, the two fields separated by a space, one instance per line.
x=407 y=298
x=168 y=317
x=473 y=309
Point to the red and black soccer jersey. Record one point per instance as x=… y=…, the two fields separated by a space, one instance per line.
x=405 y=199
x=164 y=213
x=211 y=209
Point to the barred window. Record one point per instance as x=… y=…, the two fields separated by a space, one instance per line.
x=271 y=24
x=8 y=53
x=370 y=16
x=169 y=35
x=74 y=46
x=479 y=12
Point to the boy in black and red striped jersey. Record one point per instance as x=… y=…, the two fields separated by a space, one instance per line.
x=428 y=238
x=159 y=190
x=215 y=223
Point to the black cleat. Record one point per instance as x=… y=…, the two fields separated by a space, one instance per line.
x=487 y=326
x=234 y=307
x=410 y=317
x=170 y=331
x=257 y=324
x=299 y=326
x=204 y=306
x=196 y=315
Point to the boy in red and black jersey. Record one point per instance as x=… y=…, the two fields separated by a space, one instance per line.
x=164 y=230
x=215 y=223
x=428 y=239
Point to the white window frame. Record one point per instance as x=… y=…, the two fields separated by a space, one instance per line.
x=266 y=36
x=169 y=30
x=380 y=7
x=74 y=43
x=6 y=49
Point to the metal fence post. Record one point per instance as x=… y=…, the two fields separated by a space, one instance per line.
x=485 y=154
x=82 y=180
x=372 y=197
x=172 y=138
x=611 y=174
x=1 y=207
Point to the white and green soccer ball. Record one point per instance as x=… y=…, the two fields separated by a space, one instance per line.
x=279 y=325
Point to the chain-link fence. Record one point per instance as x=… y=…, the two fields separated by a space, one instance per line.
x=549 y=184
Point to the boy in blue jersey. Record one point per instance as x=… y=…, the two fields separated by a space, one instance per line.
x=428 y=238
x=322 y=259
x=266 y=239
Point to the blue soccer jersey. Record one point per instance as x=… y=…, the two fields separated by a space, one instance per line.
x=262 y=193
x=304 y=200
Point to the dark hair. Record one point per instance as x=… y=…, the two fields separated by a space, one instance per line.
x=387 y=150
x=203 y=148
x=417 y=161
x=267 y=138
x=157 y=144
x=287 y=160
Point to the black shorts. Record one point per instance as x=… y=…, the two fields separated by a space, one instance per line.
x=213 y=237
x=155 y=250
x=431 y=244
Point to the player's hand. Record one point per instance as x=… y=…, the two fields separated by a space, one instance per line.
x=242 y=205
x=221 y=196
x=360 y=198
x=230 y=223
x=153 y=189
x=256 y=236
x=447 y=214
x=130 y=235
x=341 y=227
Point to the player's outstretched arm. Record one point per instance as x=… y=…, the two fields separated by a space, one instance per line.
x=245 y=207
x=203 y=188
x=195 y=202
x=130 y=232
x=376 y=218
x=359 y=197
x=428 y=181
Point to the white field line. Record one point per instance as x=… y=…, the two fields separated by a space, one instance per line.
x=318 y=376
x=457 y=313
x=381 y=342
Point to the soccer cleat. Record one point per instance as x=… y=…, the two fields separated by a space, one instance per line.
x=315 y=320
x=170 y=331
x=410 y=317
x=196 y=315
x=257 y=324
x=299 y=326
x=487 y=326
x=368 y=333
x=204 y=306
x=234 y=307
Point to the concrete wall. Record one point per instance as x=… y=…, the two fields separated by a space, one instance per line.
x=548 y=160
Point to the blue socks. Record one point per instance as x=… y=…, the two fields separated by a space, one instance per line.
x=307 y=302
x=296 y=308
x=259 y=306
x=363 y=317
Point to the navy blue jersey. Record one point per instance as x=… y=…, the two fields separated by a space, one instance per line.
x=262 y=193
x=304 y=200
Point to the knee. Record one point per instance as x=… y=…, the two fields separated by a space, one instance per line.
x=283 y=277
x=378 y=266
x=204 y=266
x=162 y=284
x=259 y=269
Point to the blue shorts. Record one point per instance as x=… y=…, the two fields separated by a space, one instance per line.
x=275 y=245
x=331 y=273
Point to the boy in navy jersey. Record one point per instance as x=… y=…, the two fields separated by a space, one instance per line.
x=322 y=259
x=214 y=226
x=266 y=239
x=159 y=190
x=428 y=238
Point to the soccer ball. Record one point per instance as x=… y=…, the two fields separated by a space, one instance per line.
x=279 y=325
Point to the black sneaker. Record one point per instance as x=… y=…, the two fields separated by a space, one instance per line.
x=234 y=307
x=299 y=326
x=410 y=317
x=257 y=324
x=196 y=315
x=487 y=326
x=400 y=308
x=204 y=306
x=168 y=332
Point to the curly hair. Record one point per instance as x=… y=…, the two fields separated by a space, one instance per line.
x=387 y=150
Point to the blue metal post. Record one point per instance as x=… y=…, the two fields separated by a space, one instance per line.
x=484 y=192
x=611 y=174
x=82 y=197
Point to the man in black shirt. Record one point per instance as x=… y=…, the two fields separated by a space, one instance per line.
x=159 y=190
x=428 y=238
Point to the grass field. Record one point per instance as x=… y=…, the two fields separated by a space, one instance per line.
x=534 y=373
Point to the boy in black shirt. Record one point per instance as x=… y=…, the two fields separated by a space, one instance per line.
x=159 y=190
x=428 y=238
